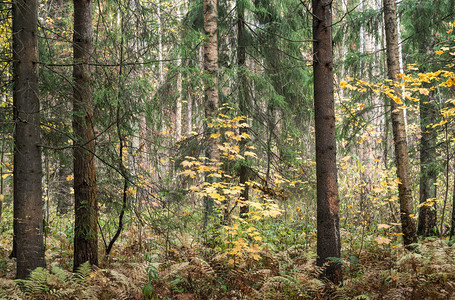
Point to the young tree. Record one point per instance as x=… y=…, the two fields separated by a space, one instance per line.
x=86 y=210
x=398 y=127
x=328 y=227
x=28 y=211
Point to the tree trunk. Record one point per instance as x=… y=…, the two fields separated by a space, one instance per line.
x=28 y=204
x=452 y=222
x=189 y=113
x=86 y=208
x=63 y=187
x=328 y=227
x=428 y=156
x=428 y=174
x=210 y=86
x=243 y=102
x=178 y=109
x=398 y=127
x=2 y=195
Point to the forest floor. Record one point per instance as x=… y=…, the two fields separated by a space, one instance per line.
x=199 y=272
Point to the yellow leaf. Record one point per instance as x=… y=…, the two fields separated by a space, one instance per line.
x=249 y=153
x=395 y=234
x=69 y=178
x=215 y=135
x=251 y=229
x=245 y=135
x=382 y=240
x=256 y=256
x=186 y=164
x=217 y=196
x=346 y=158
x=424 y=91
x=257 y=238
x=2 y=197
x=231 y=261
x=194 y=189
x=214 y=175
x=439 y=52
x=383 y=226
x=343 y=84
x=397 y=99
x=188 y=173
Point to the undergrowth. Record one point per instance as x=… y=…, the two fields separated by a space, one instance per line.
x=125 y=282
x=381 y=273
x=199 y=271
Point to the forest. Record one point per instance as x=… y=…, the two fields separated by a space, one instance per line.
x=227 y=149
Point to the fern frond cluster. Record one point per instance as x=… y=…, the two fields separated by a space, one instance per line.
x=428 y=273
x=278 y=275
x=293 y=274
x=123 y=283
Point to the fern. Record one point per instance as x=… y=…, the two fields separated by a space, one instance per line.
x=83 y=272
x=10 y=290
x=37 y=282
x=61 y=274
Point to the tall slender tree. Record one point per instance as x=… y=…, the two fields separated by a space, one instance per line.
x=398 y=126
x=328 y=224
x=211 y=84
x=28 y=211
x=243 y=99
x=86 y=210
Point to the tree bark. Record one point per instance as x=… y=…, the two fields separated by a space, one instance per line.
x=452 y=222
x=178 y=109
x=428 y=156
x=210 y=86
x=328 y=227
x=398 y=127
x=86 y=207
x=28 y=205
x=428 y=174
x=2 y=195
x=243 y=103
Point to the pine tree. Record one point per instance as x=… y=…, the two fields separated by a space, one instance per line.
x=86 y=209
x=328 y=224
x=28 y=208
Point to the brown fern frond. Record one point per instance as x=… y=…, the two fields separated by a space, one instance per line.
x=10 y=290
